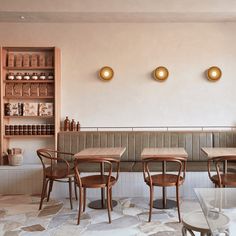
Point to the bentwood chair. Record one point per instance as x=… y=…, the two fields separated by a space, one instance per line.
x=57 y=169
x=225 y=176
x=164 y=179
x=105 y=180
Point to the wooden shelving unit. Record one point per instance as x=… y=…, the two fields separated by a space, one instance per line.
x=29 y=81
x=28 y=136
x=27 y=117
x=5 y=140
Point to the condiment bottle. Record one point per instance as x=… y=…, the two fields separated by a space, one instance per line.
x=67 y=124
x=73 y=125
x=78 y=126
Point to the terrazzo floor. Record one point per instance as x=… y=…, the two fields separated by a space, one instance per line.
x=19 y=216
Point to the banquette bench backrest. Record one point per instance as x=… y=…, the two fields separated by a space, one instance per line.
x=135 y=141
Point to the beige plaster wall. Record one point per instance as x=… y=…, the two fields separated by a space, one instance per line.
x=133 y=98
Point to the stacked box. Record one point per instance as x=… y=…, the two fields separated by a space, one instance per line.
x=46 y=109
x=19 y=60
x=30 y=109
x=11 y=60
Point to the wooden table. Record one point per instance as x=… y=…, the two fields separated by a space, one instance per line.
x=108 y=154
x=163 y=152
x=219 y=151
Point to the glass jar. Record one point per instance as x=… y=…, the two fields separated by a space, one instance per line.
x=18 y=76
x=34 y=76
x=10 y=76
x=42 y=76
x=50 y=76
x=26 y=76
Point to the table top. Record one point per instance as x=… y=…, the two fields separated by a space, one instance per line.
x=219 y=151
x=219 y=208
x=163 y=152
x=113 y=152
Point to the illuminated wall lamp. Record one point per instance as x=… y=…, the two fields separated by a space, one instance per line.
x=214 y=73
x=161 y=73
x=106 y=73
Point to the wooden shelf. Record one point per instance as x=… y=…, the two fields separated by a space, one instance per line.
x=33 y=117
x=30 y=97
x=39 y=81
x=55 y=88
x=29 y=68
x=29 y=136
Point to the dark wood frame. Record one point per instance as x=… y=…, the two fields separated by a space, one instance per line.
x=49 y=174
x=222 y=178
x=96 y=181
x=149 y=180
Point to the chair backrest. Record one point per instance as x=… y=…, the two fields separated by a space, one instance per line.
x=50 y=158
x=180 y=163
x=106 y=167
x=222 y=166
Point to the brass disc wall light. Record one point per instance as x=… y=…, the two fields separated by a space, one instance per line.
x=214 y=73
x=106 y=73
x=161 y=73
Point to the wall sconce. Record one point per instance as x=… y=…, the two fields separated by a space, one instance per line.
x=106 y=73
x=214 y=73
x=161 y=73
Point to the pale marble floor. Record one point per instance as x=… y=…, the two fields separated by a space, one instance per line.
x=19 y=216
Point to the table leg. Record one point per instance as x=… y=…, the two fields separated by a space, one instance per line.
x=101 y=204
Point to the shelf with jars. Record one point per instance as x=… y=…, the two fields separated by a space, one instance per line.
x=30 y=80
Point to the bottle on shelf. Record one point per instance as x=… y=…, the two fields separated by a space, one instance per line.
x=73 y=125
x=67 y=124
x=78 y=126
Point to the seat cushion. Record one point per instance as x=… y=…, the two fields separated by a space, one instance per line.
x=164 y=180
x=227 y=179
x=96 y=181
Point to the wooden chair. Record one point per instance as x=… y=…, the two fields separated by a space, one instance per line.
x=164 y=179
x=104 y=181
x=58 y=170
x=225 y=176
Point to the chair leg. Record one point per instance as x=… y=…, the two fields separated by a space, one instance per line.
x=50 y=189
x=75 y=186
x=44 y=190
x=177 y=198
x=70 y=193
x=109 y=204
x=80 y=204
x=150 y=203
x=84 y=200
x=111 y=198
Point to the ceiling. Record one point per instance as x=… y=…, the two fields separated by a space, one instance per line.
x=73 y=11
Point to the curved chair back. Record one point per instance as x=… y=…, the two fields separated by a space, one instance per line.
x=179 y=161
x=106 y=165
x=50 y=158
x=221 y=164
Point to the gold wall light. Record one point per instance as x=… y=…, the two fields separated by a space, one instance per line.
x=214 y=73
x=161 y=73
x=106 y=73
